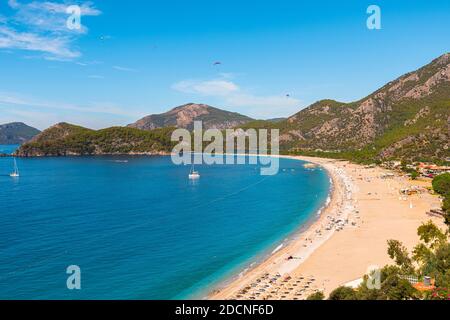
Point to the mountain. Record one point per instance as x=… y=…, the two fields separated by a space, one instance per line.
x=276 y=120
x=16 y=133
x=408 y=118
x=185 y=115
x=65 y=139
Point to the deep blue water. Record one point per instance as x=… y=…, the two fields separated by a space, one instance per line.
x=8 y=148
x=140 y=229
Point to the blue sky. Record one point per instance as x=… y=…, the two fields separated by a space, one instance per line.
x=143 y=57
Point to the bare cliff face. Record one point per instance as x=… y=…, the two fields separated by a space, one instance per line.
x=411 y=112
x=185 y=115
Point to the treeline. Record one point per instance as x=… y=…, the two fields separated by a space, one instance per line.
x=115 y=140
x=441 y=185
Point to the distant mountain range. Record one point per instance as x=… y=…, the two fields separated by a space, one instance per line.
x=16 y=133
x=408 y=118
x=185 y=115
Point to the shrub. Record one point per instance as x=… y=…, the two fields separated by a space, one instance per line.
x=441 y=184
x=316 y=296
x=414 y=175
x=343 y=293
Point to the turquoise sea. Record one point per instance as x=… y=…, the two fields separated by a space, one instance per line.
x=138 y=228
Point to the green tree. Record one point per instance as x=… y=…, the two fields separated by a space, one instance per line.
x=431 y=235
x=441 y=184
x=441 y=263
x=398 y=252
x=366 y=293
x=394 y=287
x=343 y=293
x=316 y=296
x=446 y=208
x=414 y=175
x=446 y=204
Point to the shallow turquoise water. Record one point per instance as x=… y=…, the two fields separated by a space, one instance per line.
x=140 y=229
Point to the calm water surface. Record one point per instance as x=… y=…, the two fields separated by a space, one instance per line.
x=8 y=148
x=138 y=228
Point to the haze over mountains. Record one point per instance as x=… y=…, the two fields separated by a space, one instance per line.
x=16 y=133
x=408 y=118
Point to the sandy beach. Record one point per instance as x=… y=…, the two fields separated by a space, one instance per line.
x=366 y=209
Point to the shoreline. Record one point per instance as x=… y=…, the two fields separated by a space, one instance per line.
x=275 y=261
x=337 y=246
x=371 y=212
x=275 y=248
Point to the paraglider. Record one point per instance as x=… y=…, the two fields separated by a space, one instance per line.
x=217 y=65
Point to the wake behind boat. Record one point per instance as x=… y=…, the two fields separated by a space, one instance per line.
x=15 y=174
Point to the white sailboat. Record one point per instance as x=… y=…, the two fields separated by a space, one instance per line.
x=194 y=175
x=15 y=174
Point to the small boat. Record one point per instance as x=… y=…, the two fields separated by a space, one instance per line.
x=15 y=174
x=194 y=175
